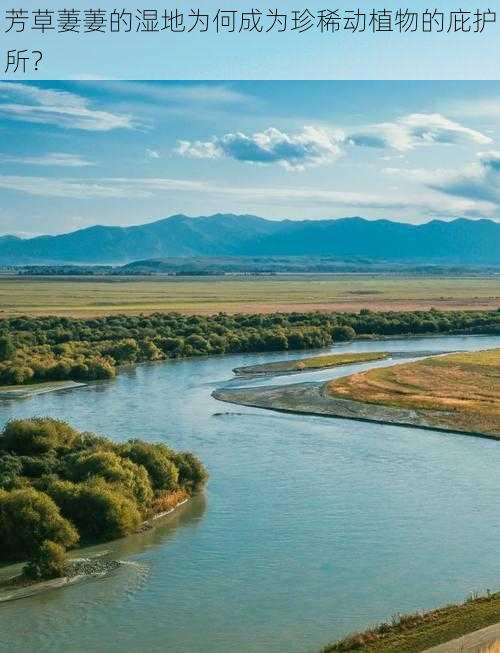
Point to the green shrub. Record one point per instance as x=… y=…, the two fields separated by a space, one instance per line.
x=100 y=512
x=158 y=461
x=192 y=473
x=36 y=436
x=7 y=348
x=28 y=518
x=48 y=562
x=59 y=485
x=132 y=478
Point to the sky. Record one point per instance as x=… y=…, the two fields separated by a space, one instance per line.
x=79 y=153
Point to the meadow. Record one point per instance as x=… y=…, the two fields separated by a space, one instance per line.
x=312 y=363
x=420 y=631
x=95 y=296
x=460 y=391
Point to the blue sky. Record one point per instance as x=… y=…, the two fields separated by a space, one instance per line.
x=74 y=154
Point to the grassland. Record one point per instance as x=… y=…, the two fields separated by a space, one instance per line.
x=417 y=632
x=456 y=391
x=91 y=296
x=312 y=363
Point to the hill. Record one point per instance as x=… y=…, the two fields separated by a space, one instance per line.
x=459 y=242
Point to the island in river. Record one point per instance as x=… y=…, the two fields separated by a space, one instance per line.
x=455 y=392
x=60 y=487
x=309 y=364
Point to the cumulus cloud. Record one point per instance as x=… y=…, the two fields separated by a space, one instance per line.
x=58 y=159
x=317 y=145
x=415 y=130
x=312 y=146
x=25 y=102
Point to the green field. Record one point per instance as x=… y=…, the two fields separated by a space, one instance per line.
x=91 y=296
x=417 y=632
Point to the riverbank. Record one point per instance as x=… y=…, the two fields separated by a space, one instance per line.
x=26 y=391
x=465 y=402
x=313 y=399
x=467 y=626
x=457 y=391
x=17 y=586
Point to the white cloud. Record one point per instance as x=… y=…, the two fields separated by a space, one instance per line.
x=233 y=198
x=180 y=93
x=34 y=104
x=479 y=182
x=152 y=154
x=199 y=149
x=312 y=146
x=58 y=159
x=414 y=130
x=112 y=188
x=319 y=145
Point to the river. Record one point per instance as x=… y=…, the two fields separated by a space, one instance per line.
x=309 y=527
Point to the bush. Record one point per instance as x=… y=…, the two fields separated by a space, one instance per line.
x=27 y=519
x=59 y=485
x=131 y=478
x=48 y=562
x=102 y=513
x=36 y=436
x=192 y=474
x=7 y=348
x=157 y=459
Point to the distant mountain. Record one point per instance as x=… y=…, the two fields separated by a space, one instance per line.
x=462 y=242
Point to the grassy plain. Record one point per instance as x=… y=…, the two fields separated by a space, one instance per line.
x=92 y=296
x=418 y=632
x=457 y=391
x=313 y=363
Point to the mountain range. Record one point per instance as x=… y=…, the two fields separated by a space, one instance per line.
x=461 y=241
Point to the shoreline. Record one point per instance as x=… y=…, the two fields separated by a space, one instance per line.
x=310 y=399
x=471 y=626
x=31 y=390
x=80 y=568
x=263 y=370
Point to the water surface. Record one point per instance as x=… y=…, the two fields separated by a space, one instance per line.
x=309 y=527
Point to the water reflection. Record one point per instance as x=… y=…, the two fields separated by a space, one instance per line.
x=309 y=527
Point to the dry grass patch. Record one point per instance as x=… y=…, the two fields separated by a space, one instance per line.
x=457 y=391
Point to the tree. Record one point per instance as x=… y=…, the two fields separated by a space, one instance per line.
x=133 y=479
x=343 y=333
x=37 y=435
x=100 y=512
x=27 y=519
x=125 y=351
x=157 y=459
x=7 y=348
x=192 y=474
x=48 y=562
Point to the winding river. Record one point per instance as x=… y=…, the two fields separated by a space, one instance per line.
x=309 y=528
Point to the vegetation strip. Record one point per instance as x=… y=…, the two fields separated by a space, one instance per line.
x=41 y=350
x=313 y=363
x=412 y=633
x=60 y=487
